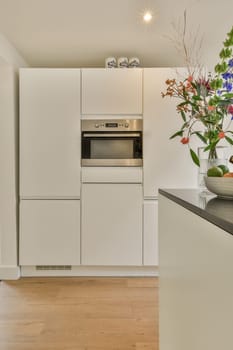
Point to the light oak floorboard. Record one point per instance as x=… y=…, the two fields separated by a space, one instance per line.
x=79 y=314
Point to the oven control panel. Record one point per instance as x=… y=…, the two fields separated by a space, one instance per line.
x=105 y=125
x=112 y=125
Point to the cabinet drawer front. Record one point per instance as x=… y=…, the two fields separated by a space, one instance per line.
x=112 y=174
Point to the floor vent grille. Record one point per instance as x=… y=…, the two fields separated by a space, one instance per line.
x=53 y=267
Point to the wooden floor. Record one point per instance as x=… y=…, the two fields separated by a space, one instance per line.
x=79 y=314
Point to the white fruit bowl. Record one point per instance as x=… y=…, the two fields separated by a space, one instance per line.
x=221 y=186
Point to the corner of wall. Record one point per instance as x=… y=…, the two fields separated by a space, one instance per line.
x=10 y=54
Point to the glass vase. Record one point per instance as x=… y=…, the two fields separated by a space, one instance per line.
x=208 y=160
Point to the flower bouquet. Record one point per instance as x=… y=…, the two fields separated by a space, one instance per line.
x=206 y=104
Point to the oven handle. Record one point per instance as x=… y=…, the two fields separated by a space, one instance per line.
x=112 y=135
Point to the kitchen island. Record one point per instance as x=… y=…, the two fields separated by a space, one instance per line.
x=196 y=271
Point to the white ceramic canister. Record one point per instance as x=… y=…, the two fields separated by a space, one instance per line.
x=134 y=62
x=122 y=62
x=110 y=62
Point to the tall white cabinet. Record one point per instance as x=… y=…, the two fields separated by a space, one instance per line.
x=166 y=163
x=111 y=204
x=49 y=133
x=49 y=166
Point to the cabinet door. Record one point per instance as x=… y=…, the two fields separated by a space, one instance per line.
x=112 y=91
x=49 y=232
x=111 y=224
x=150 y=233
x=50 y=132
x=167 y=163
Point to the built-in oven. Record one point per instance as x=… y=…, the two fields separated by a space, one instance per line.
x=112 y=142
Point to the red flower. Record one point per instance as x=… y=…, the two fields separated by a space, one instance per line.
x=221 y=135
x=190 y=78
x=184 y=140
x=230 y=109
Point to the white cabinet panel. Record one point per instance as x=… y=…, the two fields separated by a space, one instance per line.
x=49 y=232
x=150 y=233
x=111 y=224
x=112 y=91
x=167 y=163
x=112 y=174
x=49 y=132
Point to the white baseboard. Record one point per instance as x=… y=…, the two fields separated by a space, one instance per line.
x=9 y=272
x=92 y=271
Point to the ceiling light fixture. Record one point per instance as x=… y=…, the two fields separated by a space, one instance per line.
x=147 y=17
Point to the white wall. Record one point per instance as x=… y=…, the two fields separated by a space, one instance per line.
x=10 y=61
x=10 y=54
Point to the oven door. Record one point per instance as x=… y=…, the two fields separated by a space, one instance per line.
x=111 y=148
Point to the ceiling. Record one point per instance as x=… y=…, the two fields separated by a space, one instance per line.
x=82 y=33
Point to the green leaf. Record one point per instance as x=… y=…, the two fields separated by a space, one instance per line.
x=221 y=67
x=183 y=115
x=207 y=120
x=213 y=143
x=225 y=53
x=201 y=137
x=194 y=157
x=207 y=148
x=224 y=67
x=228 y=52
x=228 y=95
x=215 y=84
x=178 y=133
x=222 y=54
x=196 y=98
x=229 y=140
x=185 y=125
x=217 y=69
x=227 y=43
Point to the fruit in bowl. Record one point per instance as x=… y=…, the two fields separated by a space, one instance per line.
x=218 y=170
x=228 y=175
x=219 y=180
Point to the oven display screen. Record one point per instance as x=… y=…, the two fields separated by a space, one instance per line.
x=111 y=125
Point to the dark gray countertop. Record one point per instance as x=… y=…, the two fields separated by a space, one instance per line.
x=213 y=209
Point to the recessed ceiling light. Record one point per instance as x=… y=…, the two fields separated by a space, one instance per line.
x=147 y=17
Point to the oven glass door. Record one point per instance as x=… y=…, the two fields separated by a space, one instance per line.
x=111 y=149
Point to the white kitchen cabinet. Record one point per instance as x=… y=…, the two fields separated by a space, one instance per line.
x=167 y=163
x=111 y=91
x=150 y=233
x=111 y=224
x=49 y=133
x=49 y=232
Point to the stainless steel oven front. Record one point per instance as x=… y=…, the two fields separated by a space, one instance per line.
x=112 y=142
